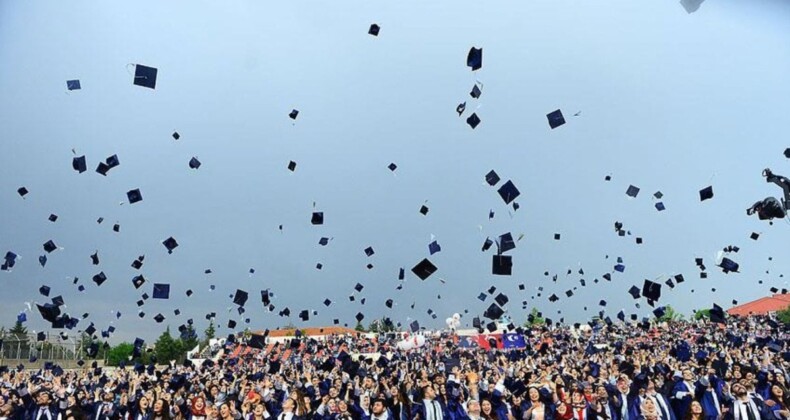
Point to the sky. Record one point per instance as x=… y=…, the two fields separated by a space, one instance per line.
x=668 y=101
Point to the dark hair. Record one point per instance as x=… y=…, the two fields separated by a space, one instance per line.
x=688 y=416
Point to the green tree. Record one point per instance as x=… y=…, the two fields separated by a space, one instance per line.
x=209 y=333
x=670 y=315
x=535 y=319
x=167 y=348
x=360 y=327
x=784 y=315
x=702 y=314
x=189 y=338
x=121 y=352
x=19 y=332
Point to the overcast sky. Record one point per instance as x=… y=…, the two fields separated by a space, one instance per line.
x=669 y=102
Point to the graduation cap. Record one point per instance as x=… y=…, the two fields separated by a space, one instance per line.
x=171 y=244
x=194 y=163
x=161 y=291
x=502 y=265
x=369 y=251
x=358 y=287
x=487 y=244
x=159 y=318
x=424 y=269
x=555 y=119
x=476 y=92
x=137 y=264
x=240 y=298
x=73 y=84
x=494 y=312
x=95 y=258
x=501 y=299
x=359 y=317
x=392 y=166
x=424 y=210
x=100 y=278
x=79 y=164
x=492 y=178
x=176 y=136
x=651 y=290
x=659 y=312
x=717 y=314
x=635 y=292
x=22 y=191
x=374 y=30
x=116 y=227
x=92 y=350
x=44 y=290
x=475 y=58
x=473 y=120
x=414 y=326
x=508 y=192
x=58 y=301
x=727 y=265
x=632 y=191
x=134 y=196
x=706 y=193
x=41 y=336
x=460 y=108
x=293 y=114
x=660 y=206
x=505 y=242
x=388 y=303
x=304 y=315
x=50 y=246
x=317 y=218
x=145 y=76
x=138 y=281
x=291 y=166
x=670 y=283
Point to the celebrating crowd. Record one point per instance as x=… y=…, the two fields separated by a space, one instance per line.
x=681 y=371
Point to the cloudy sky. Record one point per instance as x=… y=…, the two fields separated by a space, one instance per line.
x=668 y=101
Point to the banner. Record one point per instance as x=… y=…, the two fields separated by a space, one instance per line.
x=514 y=341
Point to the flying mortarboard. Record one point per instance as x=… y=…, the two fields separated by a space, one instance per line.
x=424 y=269
x=134 y=196
x=508 y=192
x=555 y=119
x=706 y=193
x=651 y=290
x=502 y=265
x=476 y=92
x=73 y=84
x=100 y=278
x=138 y=281
x=293 y=114
x=474 y=58
x=374 y=30
x=194 y=163
x=161 y=291
x=317 y=218
x=473 y=120
x=492 y=178
x=145 y=76
x=159 y=318
x=79 y=164
x=632 y=191
x=44 y=290
x=171 y=244
x=50 y=246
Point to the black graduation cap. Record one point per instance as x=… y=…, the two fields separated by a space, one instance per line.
x=717 y=314
x=502 y=265
x=493 y=312
x=358 y=287
x=424 y=210
x=116 y=227
x=304 y=315
x=727 y=265
x=632 y=191
x=392 y=166
x=79 y=164
x=487 y=244
x=100 y=278
x=291 y=166
x=491 y=327
x=569 y=293
x=414 y=326
x=369 y=251
x=424 y=269
x=176 y=136
x=706 y=193
x=137 y=264
x=171 y=244
x=555 y=119
x=44 y=290
x=138 y=281
x=374 y=30
x=651 y=290
x=317 y=218
x=475 y=58
x=48 y=311
x=194 y=163
x=359 y=317
x=660 y=206
x=670 y=283
x=145 y=76
x=58 y=301
x=476 y=92
x=635 y=292
x=323 y=241
x=91 y=329
x=134 y=196
x=293 y=114
x=460 y=108
x=53 y=218
x=508 y=192
x=473 y=120
x=501 y=299
x=73 y=84
x=482 y=297
x=159 y=318
x=161 y=291
x=240 y=298
x=505 y=242
x=491 y=290
x=659 y=312
x=50 y=246
x=22 y=191
x=92 y=350
x=388 y=303
x=492 y=178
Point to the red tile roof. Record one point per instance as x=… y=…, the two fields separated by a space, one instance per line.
x=761 y=306
x=310 y=332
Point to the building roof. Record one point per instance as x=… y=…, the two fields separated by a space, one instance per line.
x=310 y=331
x=761 y=306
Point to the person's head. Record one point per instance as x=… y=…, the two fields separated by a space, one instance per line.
x=777 y=393
x=364 y=400
x=648 y=405
x=144 y=403
x=43 y=398
x=533 y=393
x=333 y=392
x=601 y=392
x=289 y=405
x=695 y=408
x=622 y=384
x=198 y=404
x=258 y=410
x=108 y=397
x=213 y=411
x=473 y=407
x=378 y=407
x=161 y=407
x=688 y=375
x=577 y=396
x=342 y=406
x=428 y=392
x=71 y=401
x=485 y=407
x=224 y=410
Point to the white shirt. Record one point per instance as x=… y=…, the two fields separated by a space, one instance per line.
x=433 y=411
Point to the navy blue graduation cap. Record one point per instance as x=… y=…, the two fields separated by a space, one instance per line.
x=476 y=92
x=487 y=244
x=194 y=163
x=79 y=164
x=44 y=290
x=240 y=298
x=293 y=114
x=473 y=120
x=138 y=281
x=660 y=206
x=619 y=268
x=291 y=167
x=171 y=244
x=424 y=269
x=50 y=246
x=159 y=318
x=161 y=291
x=491 y=290
x=501 y=299
x=134 y=196
x=434 y=247
x=717 y=314
x=632 y=191
x=508 y=192
x=100 y=278
x=635 y=292
x=42 y=260
x=358 y=287
x=116 y=227
x=414 y=326
x=706 y=193
x=460 y=108
x=374 y=30
x=323 y=241
x=145 y=76
x=651 y=290
x=112 y=161
x=659 y=312
x=73 y=84
x=502 y=265
x=176 y=136
x=317 y=218
x=492 y=178
x=475 y=58
x=392 y=166
x=95 y=258
x=727 y=265
x=369 y=251
x=505 y=242
x=555 y=119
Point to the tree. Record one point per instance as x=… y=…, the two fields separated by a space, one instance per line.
x=189 y=338
x=670 y=315
x=784 y=315
x=121 y=352
x=166 y=348
x=534 y=319
x=208 y=334
x=19 y=332
x=702 y=314
x=360 y=327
